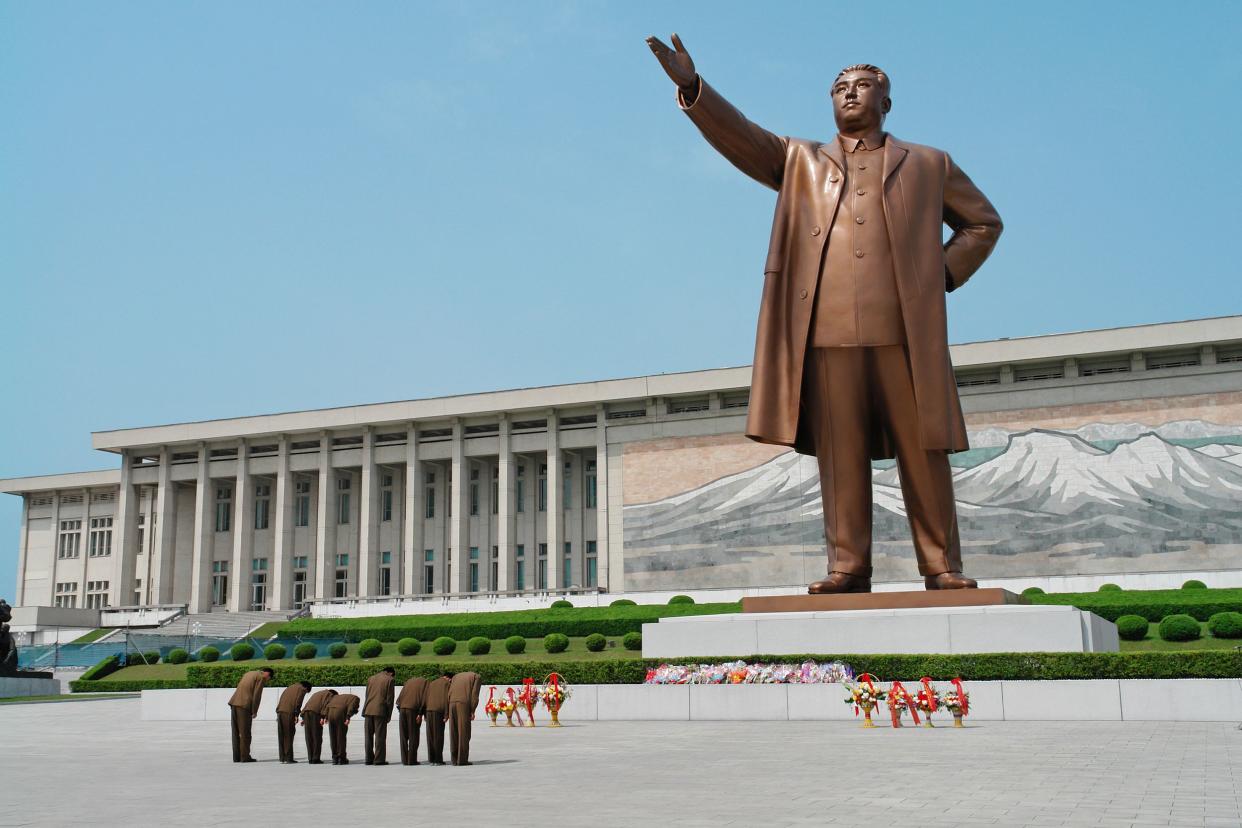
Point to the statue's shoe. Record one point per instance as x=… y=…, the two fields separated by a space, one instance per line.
x=950 y=580
x=838 y=582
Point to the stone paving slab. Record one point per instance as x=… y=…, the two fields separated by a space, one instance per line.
x=98 y=763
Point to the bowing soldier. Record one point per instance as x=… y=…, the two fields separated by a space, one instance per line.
x=377 y=711
x=410 y=706
x=243 y=707
x=287 y=710
x=435 y=707
x=463 y=699
x=314 y=717
x=342 y=708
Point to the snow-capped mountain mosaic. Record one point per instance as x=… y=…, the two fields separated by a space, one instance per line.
x=1101 y=498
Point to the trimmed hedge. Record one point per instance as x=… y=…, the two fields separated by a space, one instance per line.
x=1109 y=588
x=1179 y=628
x=305 y=651
x=408 y=646
x=596 y=642
x=1152 y=604
x=576 y=623
x=126 y=686
x=680 y=600
x=1032 y=591
x=444 y=645
x=1132 y=627
x=149 y=657
x=561 y=603
x=1226 y=625
x=177 y=655
x=241 y=651
x=515 y=644
x=982 y=667
x=106 y=667
x=632 y=641
x=209 y=654
x=337 y=649
x=274 y=651
x=555 y=643
x=623 y=602
x=479 y=645
x=370 y=648
x=1194 y=583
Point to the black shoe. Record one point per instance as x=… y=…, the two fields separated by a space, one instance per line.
x=367 y=762
x=415 y=763
x=344 y=761
x=336 y=761
x=250 y=759
x=463 y=764
x=379 y=763
x=292 y=761
x=314 y=761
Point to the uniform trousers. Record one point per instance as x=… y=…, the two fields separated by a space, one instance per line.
x=338 y=733
x=240 y=722
x=459 y=732
x=435 y=736
x=408 y=723
x=286 y=725
x=312 y=729
x=375 y=744
x=852 y=398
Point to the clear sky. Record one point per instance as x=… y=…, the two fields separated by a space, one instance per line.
x=217 y=209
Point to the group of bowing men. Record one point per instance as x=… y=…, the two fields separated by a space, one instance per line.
x=452 y=697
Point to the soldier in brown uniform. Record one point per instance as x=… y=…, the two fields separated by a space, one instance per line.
x=314 y=717
x=410 y=705
x=244 y=706
x=287 y=710
x=342 y=708
x=434 y=708
x=378 y=712
x=463 y=699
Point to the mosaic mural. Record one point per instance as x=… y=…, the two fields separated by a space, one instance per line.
x=1102 y=488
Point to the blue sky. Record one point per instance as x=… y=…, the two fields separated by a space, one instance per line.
x=218 y=209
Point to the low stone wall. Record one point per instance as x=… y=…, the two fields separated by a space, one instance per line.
x=1173 y=700
x=15 y=686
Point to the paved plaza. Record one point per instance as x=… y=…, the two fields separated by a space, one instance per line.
x=97 y=763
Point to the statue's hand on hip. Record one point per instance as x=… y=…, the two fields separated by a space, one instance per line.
x=677 y=62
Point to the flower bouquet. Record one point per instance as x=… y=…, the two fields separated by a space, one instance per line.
x=864 y=696
x=528 y=698
x=899 y=701
x=490 y=708
x=957 y=701
x=506 y=704
x=927 y=700
x=554 y=694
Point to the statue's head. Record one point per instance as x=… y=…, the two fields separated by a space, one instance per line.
x=860 y=98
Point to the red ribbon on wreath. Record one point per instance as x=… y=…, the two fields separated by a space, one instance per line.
x=900 y=692
x=867 y=680
x=513 y=700
x=961 y=696
x=929 y=693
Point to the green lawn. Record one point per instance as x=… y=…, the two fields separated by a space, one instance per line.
x=93 y=635
x=78 y=697
x=266 y=631
x=1153 y=642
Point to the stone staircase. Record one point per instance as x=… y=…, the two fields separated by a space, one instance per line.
x=222 y=625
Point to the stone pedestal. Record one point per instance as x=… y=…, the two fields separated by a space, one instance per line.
x=999 y=628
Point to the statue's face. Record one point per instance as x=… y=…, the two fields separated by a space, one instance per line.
x=858 y=102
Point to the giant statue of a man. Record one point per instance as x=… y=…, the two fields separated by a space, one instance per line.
x=852 y=353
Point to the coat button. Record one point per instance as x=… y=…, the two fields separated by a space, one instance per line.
x=834 y=178
x=860 y=220
x=815 y=230
x=859 y=253
x=862 y=191
x=802 y=295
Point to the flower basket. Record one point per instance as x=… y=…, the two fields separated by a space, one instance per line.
x=927 y=700
x=864 y=696
x=506 y=705
x=900 y=701
x=554 y=693
x=957 y=702
x=490 y=708
x=528 y=698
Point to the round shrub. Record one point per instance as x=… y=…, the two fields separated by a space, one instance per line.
x=515 y=644
x=1194 y=584
x=180 y=656
x=1226 y=625
x=1109 y=588
x=555 y=642
x=1132 y=627
x=151 y=657
x=1179 y=628
x=369 y=648
x=241 y=651
x=274 y=651
x=680 y=599
x=562 y=604
x=632 y=641
x=623 y=602
x=444 y=645
x=479 y=645
x=338 y=650
x=305 y=650
x=408 y=646
x=1032 y=591
x=595 y=642
x=208 y=655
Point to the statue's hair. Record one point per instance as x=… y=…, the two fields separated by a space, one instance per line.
x=885 y=84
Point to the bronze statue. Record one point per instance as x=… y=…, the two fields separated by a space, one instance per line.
x=852 y=355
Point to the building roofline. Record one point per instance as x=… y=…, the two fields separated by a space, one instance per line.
x=66 y=480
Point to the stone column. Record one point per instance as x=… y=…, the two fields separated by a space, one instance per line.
x=368 y=520
x=412 y=525
x=163 y=516
x=22 y=551
x=601 y=496
x=280 y=590
x=555 y=514
x=126 y=529
x=325 y=531
x=459 y=523
x=200 y=577
x=506 y=527
x=243 y=534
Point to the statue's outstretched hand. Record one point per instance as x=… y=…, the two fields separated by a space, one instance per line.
x=678 y=64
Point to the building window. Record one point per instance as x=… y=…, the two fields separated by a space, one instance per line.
x=566 y=572
x=258 y=583
x=138 y=601
x=66 y=594
x=224 y=508
x=342 y=500
x=219 y=583
x=430 y=511
x=301 y=507
x=429 y=571
x=474 y=569
x=142 y=533
x=70 y=543
x=541 y=573
x=342 y=576
x=474 y=499
x=495 y=583
x=101 y=537
x=519 y=567
x=495 y=491
x=567 y=487
x=592 y=565
x=385 y=573
x=541 y=498
x=262 y=505
x=519 y=493
x=385 y=505
x=589 y=493
x=299 y=580
x=97 y=594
